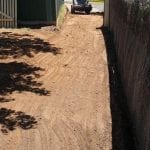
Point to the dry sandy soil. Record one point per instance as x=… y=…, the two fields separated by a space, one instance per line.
x=54 y=87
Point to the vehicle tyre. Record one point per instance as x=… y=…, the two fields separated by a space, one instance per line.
x=87 y=11
x=72 y=10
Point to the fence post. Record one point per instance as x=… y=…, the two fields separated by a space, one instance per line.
x=106 y=13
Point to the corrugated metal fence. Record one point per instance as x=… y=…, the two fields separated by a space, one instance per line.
x=8 y=13
x=46 y=11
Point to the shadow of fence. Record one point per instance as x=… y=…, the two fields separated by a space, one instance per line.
x=122 y=135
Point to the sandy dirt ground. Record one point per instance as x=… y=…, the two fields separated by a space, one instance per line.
x=54 y=87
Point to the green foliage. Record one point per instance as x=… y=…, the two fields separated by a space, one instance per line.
x=96 y=0
x=61 y=15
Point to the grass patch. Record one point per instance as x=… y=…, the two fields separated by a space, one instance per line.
x=62 y=14
x=96 y=0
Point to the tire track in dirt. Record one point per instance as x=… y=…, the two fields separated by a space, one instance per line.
x=76 y=114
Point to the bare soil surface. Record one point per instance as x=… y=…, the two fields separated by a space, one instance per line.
x=54 y=87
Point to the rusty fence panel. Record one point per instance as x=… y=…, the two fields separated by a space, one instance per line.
x=8 y=13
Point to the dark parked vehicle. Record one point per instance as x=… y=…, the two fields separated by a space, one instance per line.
x=81 y=5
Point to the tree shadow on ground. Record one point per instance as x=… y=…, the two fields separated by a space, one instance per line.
x=122 y=129
x=17 y=45
x=11 y=119
x=19 y=77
